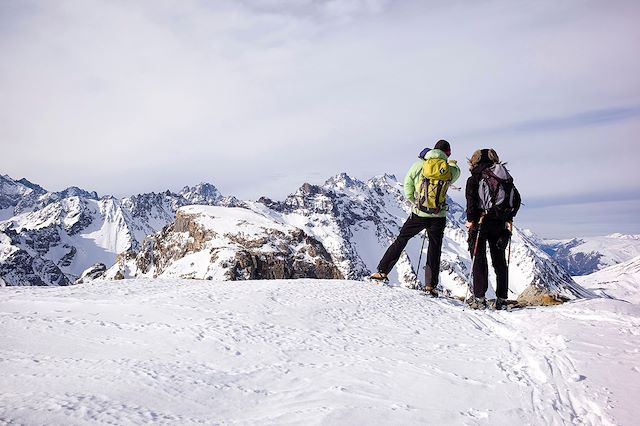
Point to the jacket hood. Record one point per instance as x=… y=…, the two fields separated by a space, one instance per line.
x=436 y=153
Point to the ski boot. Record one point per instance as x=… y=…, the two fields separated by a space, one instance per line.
x=477 y=302
x=501 y=304
x=379 y=277
x=430 y=291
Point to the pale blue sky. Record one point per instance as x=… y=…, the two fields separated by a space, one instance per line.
x=258 y=97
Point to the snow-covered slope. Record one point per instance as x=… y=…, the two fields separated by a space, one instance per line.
x=582 y=256
x=620 y=281
x=308 y=352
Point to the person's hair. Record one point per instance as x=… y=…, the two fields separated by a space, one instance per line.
x=487 y=155
x=442 y=145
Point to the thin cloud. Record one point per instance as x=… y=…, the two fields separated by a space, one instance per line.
x=598 y=117
x=584 y=119
x=257 y=97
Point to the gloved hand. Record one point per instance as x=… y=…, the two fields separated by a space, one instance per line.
x=505 y=236
x=471 y=239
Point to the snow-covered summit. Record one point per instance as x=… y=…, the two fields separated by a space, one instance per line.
x=343 y=181
x=383 y=180
x=19 y=196
x=12 y=192
x=203 y=193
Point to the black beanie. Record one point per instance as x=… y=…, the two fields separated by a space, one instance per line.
x=442 y=145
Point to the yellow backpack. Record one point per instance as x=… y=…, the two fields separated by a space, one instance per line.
x=435 y=180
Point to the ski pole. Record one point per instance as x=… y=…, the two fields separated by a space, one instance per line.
x=424 y=237
x=473 y=258
x=510 y=228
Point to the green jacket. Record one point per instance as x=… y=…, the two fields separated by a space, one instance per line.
x=414 y=175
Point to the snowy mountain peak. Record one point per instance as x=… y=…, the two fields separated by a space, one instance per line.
x=387 y=177
x=13 y=193
x=343 y=181
x=203 y=193
x=384 y=182
x=37 y=188
x=74 y=191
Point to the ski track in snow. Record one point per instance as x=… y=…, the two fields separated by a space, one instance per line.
x=308 y=352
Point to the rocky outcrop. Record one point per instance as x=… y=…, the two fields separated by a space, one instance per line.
x=297 y=256
x=230 y=244
x=202 y=194
x=95 y=272
x=539 y=296
x=22 y=262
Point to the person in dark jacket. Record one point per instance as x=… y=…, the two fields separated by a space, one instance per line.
x=495 y=229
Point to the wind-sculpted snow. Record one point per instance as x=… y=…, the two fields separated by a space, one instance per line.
x=308 y=352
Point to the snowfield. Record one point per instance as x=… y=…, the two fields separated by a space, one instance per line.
x=621 y=281
x=308 y=352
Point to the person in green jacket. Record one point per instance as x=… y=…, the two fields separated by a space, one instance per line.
x=434 y=222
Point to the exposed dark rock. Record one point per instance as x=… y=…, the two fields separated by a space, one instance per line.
x=68 y=258
x=575 y=263
x=20 y=269
x=92 y=273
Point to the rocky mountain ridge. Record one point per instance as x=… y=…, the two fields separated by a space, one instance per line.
x=50 y=238
x=355 y=221
x=350 y=220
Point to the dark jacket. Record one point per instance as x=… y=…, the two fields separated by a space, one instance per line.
x=473 y=199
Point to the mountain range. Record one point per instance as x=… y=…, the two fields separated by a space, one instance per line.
x=335 y=230
x=586 y=255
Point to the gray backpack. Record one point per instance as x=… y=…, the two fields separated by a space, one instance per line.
x=499 y=198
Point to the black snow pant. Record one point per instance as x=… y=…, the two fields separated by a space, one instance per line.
x=497 y=236
x=414 y=225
